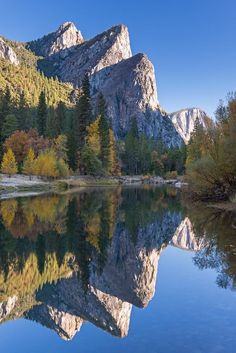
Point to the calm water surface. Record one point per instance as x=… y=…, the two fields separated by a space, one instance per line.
x=116 y=270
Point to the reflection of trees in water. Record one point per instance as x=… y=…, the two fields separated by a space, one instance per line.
x=59 y=238
x=30 y=217
x=142 y=205
x=219 y=252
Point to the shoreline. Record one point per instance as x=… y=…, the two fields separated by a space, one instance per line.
x=21 y=185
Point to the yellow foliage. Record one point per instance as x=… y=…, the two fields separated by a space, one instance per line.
x=9 y=165
x=93 y=137
x=114 y=167
x=45 y=164
x=8 y=210
x=93 y=230
x=29 y=163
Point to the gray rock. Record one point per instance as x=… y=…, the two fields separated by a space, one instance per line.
x=106 y=49
x=128 y=83
x=7 y=53
x=185 y=120
x=65 y=324
x=185 y=238
x=7 y=306
x=130 y=91
x=66 y=37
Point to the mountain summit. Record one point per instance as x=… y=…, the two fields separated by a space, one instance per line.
x=127 y=82
x=65 y=37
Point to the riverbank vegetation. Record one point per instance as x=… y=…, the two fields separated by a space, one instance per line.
x=211 y=156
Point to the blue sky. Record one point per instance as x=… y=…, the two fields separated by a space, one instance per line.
x=190 y=42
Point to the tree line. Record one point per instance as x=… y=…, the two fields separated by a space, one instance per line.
x=54 y=141
x=211 y=155
x=57 y=140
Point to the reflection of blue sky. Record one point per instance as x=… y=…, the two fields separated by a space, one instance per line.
x=189 y=313
x=191 y=43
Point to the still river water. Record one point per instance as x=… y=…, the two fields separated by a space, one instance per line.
x=116 y=270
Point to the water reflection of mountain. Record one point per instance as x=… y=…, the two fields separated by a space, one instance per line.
x=90 y=256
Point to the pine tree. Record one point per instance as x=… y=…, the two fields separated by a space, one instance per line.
x=103 y=132
x=197 y=143
x=60 y=119
x=42 y=114
x=72 y=145
x=132 y=148
x=84 y=117
x=10 y=125
x=9 y=165
x=5 y=108
x=24 y=122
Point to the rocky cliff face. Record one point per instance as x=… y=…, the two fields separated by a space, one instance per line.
x=106 y=49
x=184 y=237
x=127 y=82
x=62 y=322
x=128 y=278
x=7 y=53
x=60 y=41
x=6 y=307
x=185 y=121
x=130 y=272
x=91 y=304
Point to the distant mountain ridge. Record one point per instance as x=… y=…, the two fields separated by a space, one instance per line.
x=127 y=82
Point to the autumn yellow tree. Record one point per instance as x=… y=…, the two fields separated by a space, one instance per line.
x=48 y=165
x=45 y=164
x=9 y=165
x=93 y=137
x=29 y=163
x=62 y=168
x=114 y=165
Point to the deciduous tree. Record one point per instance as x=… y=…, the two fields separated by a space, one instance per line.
x=9 y=165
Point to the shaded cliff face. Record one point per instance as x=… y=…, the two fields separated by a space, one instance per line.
x=66 y=37
x=185 y=121
x=7 y=53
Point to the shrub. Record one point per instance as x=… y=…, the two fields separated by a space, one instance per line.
x=171 y=175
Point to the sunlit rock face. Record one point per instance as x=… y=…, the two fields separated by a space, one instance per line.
x=62 y=322
x=130 y=90
x=185 y=121
x=128 y=277
x=127 y=82
x=7 y=53
x=106 y=49
x=7 y=306
x=103 y=310
x=130 y=272
x=184 y=237
x=66 y=37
